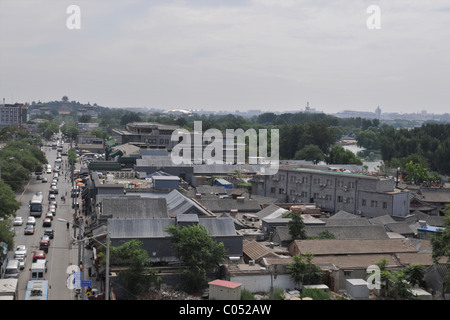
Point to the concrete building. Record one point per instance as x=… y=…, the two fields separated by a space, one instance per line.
x=333 y=191
x=155 y=135
x=13 y=114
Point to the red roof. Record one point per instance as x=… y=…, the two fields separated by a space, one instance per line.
x=225 y=283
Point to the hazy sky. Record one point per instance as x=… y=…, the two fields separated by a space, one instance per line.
x=273 y=55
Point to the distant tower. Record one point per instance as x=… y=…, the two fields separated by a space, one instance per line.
x=378 y=112
x=307 y=109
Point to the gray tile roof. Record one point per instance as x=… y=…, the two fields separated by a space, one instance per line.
x=134 y=207
x=349 y=232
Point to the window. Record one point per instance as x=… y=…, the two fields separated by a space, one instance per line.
x=384 y=205
x=340 y=199
x=272 y=190
x=374 y=204
x=281 y=191
x=363 y=202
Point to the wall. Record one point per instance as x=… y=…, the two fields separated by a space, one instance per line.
x=261 y=282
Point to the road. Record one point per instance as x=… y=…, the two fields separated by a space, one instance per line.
x=61 y=254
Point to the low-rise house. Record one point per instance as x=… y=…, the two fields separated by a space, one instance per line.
x=438 y=197
x=157 y=241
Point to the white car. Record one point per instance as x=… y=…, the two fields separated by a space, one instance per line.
x=21 y=250
x=18 y=221
x=31 y=220
x=22 y=260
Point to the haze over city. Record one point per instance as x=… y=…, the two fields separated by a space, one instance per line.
x=270 y=55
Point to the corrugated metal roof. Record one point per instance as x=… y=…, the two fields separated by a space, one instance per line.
x=219 y=226
x=139 y=228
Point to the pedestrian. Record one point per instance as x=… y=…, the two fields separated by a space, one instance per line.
x=67 y=225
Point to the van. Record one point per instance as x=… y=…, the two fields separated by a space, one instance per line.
x=12 y=269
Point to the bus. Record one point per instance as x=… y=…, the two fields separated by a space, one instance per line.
x=36 y=205
x=37 y=290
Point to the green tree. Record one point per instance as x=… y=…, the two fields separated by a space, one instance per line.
x=296 y=226
x=72 y=156
x=48 y=128
x=440 y=244
x=414 y=274
x=130 y=117
x=198 y=251
x=303 y=271
x=85 y=118
x=310 y=152
x=137 y=276
x=6 y=237
x=9 y=204
x=339 y=155
x=416 y=173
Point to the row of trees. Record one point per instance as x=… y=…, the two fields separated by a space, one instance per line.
x=18 y=158
x=428 y=145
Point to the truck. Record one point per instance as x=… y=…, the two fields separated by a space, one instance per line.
x=36 y=205
x=38 y=270
x=9 y=289
x=37 y=287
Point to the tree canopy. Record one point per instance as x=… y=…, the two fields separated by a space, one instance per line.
x=198 y=251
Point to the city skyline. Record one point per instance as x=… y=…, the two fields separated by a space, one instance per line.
x=270 y=55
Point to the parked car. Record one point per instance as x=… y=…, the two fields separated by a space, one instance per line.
x=38 y=254
x=18 y=221
x=22 y=260
x=21 y=249
x=29 y=229
x=31 y=220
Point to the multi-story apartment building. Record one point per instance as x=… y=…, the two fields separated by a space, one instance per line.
x=13 y=114
x=159 y=136
x=332 y=191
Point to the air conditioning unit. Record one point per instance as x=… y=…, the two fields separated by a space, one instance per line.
x=345 y=188
x=358 y=212
x=251 y=262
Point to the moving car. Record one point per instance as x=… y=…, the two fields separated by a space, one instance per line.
x=44 y=180
x=29 y=229
x=50 y=233
x=38 y=254
x=18 y=221
x=44 y=245
x=49 y=215
x=47 y=222
x=31 y=220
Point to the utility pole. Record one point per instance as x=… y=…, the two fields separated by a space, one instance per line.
x=107 y=262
